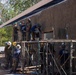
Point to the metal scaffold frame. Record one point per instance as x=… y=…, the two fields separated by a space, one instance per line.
x=55 y=63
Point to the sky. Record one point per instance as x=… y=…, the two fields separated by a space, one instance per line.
x=4 y=1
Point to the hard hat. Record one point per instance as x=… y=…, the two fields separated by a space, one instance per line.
x=8 y=43
x=18 y=46
x=14 y=43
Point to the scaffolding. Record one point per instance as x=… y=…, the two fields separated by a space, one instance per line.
x=42 y=57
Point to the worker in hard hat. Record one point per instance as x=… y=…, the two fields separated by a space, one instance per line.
x=16 y=56
x=8 y=55
x=64 y=55
x=13 y=47
x=14 y=43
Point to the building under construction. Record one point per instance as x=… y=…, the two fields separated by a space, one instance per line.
x=54 y=53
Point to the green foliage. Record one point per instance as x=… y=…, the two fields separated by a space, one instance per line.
x=5 y=35
x=21 y=5
x=14 y=7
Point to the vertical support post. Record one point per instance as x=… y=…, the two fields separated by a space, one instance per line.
x=47 y=58
x=71 y=58
x=53 y=61
x=38 y=52
x=28 y=54
x=22 y=56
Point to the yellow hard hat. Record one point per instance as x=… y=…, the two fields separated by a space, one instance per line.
x=14 y=43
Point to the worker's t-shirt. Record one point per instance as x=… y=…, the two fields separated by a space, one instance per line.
x=16 y=53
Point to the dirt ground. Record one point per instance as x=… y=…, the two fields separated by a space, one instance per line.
x=2 y=62
x=4 y=71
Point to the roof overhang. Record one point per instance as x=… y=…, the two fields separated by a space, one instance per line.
x=31 y=11
x=26 y=12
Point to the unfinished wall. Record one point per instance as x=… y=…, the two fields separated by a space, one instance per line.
x=59 y=16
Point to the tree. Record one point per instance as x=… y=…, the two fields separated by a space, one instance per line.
x=21 y=5
x=13 y=7
x=1 y=7
x=5 y=35
x=8 y=10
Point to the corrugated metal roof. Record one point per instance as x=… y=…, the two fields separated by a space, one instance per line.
x=32 y=10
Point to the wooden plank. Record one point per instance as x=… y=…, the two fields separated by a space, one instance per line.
x=47 y=41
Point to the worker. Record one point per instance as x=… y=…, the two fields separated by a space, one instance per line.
x=36 y=30
x=23 y=29
x=13 y=46
x=16 y=58
x=28 y=29
x=43 y=58
x=15 y=31
x=8 y=55
x=64 y=54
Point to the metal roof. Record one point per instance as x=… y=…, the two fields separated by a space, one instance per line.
x=31 y=11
